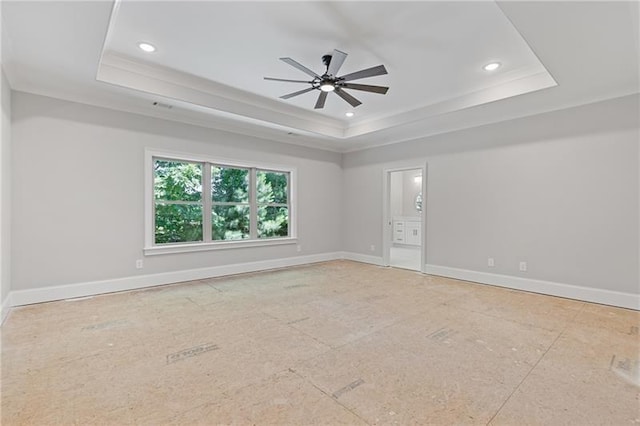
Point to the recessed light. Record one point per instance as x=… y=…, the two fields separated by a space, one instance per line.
x=146 y=47
x=492 y=66
x=348 y=114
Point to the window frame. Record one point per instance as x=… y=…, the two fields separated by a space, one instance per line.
x=151 y=248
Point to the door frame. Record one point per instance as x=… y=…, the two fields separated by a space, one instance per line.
x=387 y=220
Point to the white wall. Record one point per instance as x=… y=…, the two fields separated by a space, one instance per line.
x=558 y=190
x=396 y=196
x=5 y=191
x=5 y=179
x=78 y=192
x=403 y=192
x=411 y=189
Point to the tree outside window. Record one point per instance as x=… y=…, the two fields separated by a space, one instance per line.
x=230 y=198
x=178 y=201
x=273 y=207
x=240 y=203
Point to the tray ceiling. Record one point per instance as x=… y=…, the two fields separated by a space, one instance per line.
x=434 y=52
x=212 y=56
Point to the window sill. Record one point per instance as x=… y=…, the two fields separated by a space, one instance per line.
x=190 y=248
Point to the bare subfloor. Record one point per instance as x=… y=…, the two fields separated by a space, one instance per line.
x=330 y=343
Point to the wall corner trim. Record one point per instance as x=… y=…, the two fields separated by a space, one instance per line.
x=94 y=288
x=586 y=294
x=5 y=308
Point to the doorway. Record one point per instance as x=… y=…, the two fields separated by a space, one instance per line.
x=404 y=213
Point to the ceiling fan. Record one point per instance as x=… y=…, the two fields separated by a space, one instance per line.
x=330 y=82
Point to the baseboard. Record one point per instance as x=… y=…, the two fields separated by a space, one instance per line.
x=48 y=294
x=364 y=258
x=5 y=308
x=587 y=294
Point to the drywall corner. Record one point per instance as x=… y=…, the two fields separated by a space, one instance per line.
x=5 y=308
x=5 y=188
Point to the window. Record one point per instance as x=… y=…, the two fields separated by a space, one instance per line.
x=273 y=208
x=231 y=209
x=177 y=193
x=201 y=204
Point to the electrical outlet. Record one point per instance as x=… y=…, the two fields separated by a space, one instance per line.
x=490 y=262
x=372 y=248
x=139 y=264
x=298 y=248
x=523 y=266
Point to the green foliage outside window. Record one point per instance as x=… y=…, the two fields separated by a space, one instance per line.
x=178 y=223
x=178 y=195
x=272 y=197
x=230 y=221
x=179 y=209
x=229 y=185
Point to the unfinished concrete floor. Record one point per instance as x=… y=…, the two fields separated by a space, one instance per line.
x=330 y=343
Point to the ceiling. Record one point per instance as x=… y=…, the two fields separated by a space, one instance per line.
x=212 y=56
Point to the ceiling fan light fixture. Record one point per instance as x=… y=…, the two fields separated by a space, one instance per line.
x=327 y=86
x=492 y=66
x=146 y=47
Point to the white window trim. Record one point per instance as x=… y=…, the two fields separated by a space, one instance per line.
x=150 y=248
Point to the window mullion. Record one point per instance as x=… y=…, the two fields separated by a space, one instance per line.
x=206 y=202
x=253 y=209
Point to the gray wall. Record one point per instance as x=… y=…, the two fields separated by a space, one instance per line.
x=558 y=190
x=5 y=189
x=78 y=192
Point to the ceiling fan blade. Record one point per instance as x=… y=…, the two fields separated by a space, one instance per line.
x=321 y=99
x=284 y=79
x=299 y=66
x=347 y=97
x=366 y=88
x=369 y=72
x=337 y=59
x=299 y=92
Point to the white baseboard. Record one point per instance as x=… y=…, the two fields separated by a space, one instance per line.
x=5 y=308
x=587 y=294
x=364 y=258
x=48 y=294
